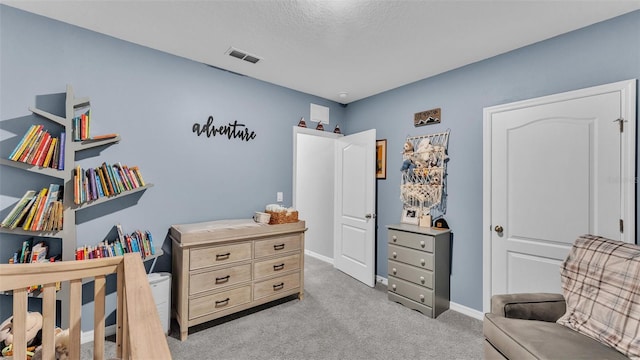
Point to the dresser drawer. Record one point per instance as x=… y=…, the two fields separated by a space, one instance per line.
x=412 y=274
x=413 y=257
x=276 y=285
x=217 y=302
x=219 y=255
x=411 y=291
x=412 y=240
x=210 y=280
x=277 y=245
x=276 y=266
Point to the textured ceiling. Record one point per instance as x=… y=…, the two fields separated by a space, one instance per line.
x=360 y=47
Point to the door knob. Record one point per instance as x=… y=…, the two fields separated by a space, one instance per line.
x=499 y=229
x=370 y=216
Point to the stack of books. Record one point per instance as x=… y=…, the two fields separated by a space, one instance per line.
x=137 y=241
x=104 y=181
x=39 y=148
x=37 y=254
x=37 y=212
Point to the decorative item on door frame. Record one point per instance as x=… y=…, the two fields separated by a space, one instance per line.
x=427 y=117
x=381 y=159
x=410 y=215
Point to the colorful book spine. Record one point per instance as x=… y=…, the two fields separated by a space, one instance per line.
x=63 y=138
x=23 y=142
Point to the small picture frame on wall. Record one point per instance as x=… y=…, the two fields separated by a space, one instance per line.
x=381 y=159
x=410 y=215
x=427 y=117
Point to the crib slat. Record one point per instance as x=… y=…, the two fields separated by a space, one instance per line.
x=48 y=321
x=100 y=289
x=19 y=323
x=75 y=325
x=120 y=313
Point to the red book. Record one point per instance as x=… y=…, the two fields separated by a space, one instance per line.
x=32 y=147
x=42 y=152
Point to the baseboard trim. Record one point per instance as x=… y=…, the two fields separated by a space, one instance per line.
x=466 y=310
x=318 y=256
x=382 y=280
x=452 y=306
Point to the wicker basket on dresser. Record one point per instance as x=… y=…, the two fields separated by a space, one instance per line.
x=419 y=268
x=222 y=267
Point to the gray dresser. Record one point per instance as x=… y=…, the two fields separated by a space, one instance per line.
x=419 y=259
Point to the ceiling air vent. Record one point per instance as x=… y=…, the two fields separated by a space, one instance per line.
x=243 y=55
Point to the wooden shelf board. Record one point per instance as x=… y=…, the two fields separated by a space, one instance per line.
x=109 y=198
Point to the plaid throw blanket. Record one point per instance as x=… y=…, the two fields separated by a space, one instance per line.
x=601 y=284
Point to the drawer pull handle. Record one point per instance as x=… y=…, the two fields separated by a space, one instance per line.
x=222 y=256
x=394 y=271
x=393 y=286
x=421 y=297
x=394 y=255
x=277 y=287
x=223 y=279
x=394 y=238
x=422 y=262
x=224 y=302
x=278 y=247
x=278 y=267
x=422 y=243
x=422 y=279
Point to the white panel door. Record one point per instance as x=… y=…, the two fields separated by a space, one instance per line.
x=555 y=170
x=354 y=227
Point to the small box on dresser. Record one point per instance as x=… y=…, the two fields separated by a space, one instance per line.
x=222 y=267
x=419 y=266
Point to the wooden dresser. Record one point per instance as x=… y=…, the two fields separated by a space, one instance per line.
x=419 y=268
x=222 y=267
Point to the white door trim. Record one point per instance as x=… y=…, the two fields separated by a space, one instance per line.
x=627 y=90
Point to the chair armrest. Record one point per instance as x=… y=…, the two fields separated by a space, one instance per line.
x=529 y=306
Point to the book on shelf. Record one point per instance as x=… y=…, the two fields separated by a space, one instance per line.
x=103 y=136
x=80 y=126
x=34 y=209
x=40 y=154
x=138 y=241
x=49 y=155
x=18 y=208
x=104 y=180
x=39 y=253
x=17 y=151
x=29 y=151
x=38 y=147
x=63 y=138
x=23 y=214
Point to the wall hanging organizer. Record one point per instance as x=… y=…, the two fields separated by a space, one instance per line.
x=424 y=176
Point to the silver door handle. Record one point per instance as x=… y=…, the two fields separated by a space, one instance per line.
x=370 y=216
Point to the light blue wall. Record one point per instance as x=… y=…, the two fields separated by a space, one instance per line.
x=602 y=53
x=152 y=99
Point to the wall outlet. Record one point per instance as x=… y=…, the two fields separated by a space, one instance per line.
x=279 y=196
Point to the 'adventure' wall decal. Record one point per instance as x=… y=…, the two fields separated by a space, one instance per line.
x=232 y=131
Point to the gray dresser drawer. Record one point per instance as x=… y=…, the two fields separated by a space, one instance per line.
x=415 y=275
x=411 y=291
x=413 y=257
x=412 y=240
x=425 y=310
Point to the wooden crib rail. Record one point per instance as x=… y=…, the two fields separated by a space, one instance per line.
x=139 y=332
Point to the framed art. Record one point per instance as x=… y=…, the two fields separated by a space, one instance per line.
x=427 y=117
x=410 y=215
x=381 y=159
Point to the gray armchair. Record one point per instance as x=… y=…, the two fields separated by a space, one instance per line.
x=523 y=326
